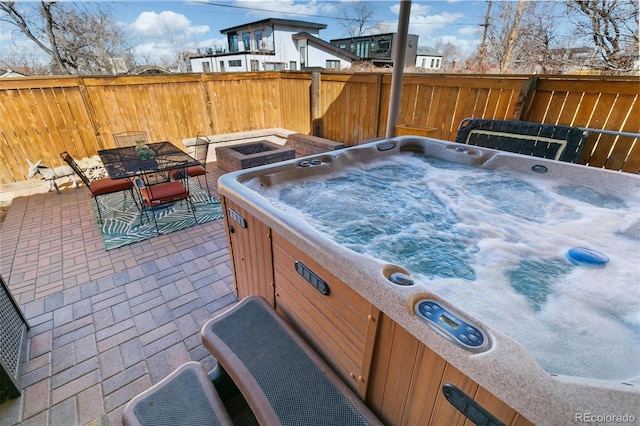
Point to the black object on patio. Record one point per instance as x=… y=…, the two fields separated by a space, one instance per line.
x=14 y=329
x=100 y=186
x=201 y=151
x=283 y=380
x=184 y=397
x=555 y=142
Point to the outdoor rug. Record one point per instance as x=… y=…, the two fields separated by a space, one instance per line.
x=121 y=218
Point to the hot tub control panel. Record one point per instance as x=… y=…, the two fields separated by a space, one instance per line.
x=452 y=326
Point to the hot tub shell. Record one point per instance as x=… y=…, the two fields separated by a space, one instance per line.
x=506 y=370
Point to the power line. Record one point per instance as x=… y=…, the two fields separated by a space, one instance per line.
x=337 y=18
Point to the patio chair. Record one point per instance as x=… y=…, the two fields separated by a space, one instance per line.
x=155 y=192
x=101 y=186
x=201 y=151
x=562 y=143
x=130 y=138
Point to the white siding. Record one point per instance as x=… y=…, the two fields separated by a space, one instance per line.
x=429 y=62
x=280 y=42
x=197 y=64
x=318 y=58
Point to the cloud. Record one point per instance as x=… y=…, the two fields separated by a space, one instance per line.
x=470 y=30
x=162 y=34
x=464 y=46
x=152 y=24
x=288 y=9
x=197 y=29
x=424 y=24
x=416 y=9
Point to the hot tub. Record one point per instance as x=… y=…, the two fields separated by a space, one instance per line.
x=520 y=272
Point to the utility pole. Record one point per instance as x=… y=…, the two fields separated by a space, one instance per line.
x=483 y=45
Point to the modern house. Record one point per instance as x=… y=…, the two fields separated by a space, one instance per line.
x=378 y=49
x=273 y=45
x=428 y=58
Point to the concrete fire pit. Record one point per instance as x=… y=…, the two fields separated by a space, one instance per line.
x=243 y=156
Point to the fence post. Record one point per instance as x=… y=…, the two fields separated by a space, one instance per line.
x=524 y=98
x=91 y=113
x=377 y=105
x=316 y=115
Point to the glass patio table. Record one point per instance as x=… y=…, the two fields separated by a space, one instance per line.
x=130 y=161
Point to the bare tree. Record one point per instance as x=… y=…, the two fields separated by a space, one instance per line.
x=77 y=38
x=357 y=20
x=612 y=26
x=178 y=45
x=23 y=62
x=451 y=56
x=513 y=33
x=521 y=36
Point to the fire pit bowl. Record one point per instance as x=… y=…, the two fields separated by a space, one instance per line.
x=243 y=156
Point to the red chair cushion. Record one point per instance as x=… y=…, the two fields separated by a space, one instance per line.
x=196 y=171
x=192 y=171
x=164 y=192
x=107 y=186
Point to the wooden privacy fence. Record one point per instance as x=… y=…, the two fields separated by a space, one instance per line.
x=41 y=117
x=355 y=108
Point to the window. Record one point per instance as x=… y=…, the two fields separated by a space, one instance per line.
x=293 y=65
x=384 y=46
x=362 y=49
x=221 y=66
x=206 y=67
x=233 y=42
x=343 y=46
x=433 y=62
x=235 y=63
x=424 y=62
x=303 y=56
x=274 y=66
x=255 y=65
x=333 y=64
x=260 y=43
x=246 y=41
x=438 y=63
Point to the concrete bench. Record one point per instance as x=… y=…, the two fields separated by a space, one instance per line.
x=306 y=145
x=282 y=379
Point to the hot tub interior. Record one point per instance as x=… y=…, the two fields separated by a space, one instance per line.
x=494 y=242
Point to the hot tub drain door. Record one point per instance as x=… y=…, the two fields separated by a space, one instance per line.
x=312 y=278
x=470 y=408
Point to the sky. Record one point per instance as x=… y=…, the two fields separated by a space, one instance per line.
x=197 y=24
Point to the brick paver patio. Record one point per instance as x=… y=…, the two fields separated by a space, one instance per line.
x=105 y=325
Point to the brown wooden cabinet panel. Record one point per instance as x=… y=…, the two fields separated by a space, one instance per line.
x=498 y=408
x=425 y=386
x=337 y=325
x=406 y=379
x=251 y=255
x=443 y=412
